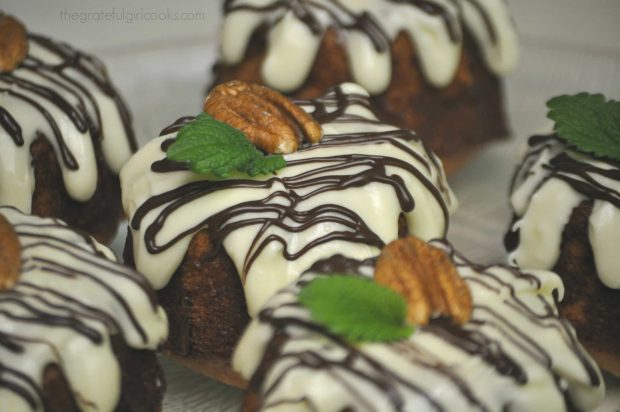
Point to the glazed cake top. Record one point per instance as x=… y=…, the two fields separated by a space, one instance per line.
x=367 y=28
x=551 y=181
x=345 y=194
x=514 y=354
x=70 y=298
x=65 y=96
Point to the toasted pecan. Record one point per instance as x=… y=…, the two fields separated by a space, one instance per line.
x=269 y=119
x=426 y=277
x=13 y=43
x=10 y=255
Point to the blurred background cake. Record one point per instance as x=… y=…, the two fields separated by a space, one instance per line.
x=78 y=331
x=64 y=132
x=566 y=205
x=431 y=67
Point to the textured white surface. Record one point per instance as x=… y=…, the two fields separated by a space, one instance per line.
x=161 y=69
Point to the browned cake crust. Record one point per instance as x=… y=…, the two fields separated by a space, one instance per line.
x=99 y=216
x=455 y=120
x=142 y=383
x=206 y=310
x=589 y=305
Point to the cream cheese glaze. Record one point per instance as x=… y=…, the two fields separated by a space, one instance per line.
x=514 y=354
x=550 y=182
x=70 y=297
x=344 y=194
x=65 y=96
x=367 y=27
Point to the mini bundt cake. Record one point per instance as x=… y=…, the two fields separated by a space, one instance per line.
x=566 y=206
x=565 y=197
x=513 y=353
x=214 y=245
x=64 y=134
x=77 y=330
x=431 y=66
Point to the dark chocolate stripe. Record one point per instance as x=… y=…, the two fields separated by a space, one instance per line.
x=24 y=389
x=91 y=68
x=38 y=301
x=470 y=338
x=568 y=167
x=85 y=310
x=10 y=125
x=67 y=157
x=363 y=22
x=564 y=167
x=488 y=24
x=45 y=318
x=88 y=67
x=60 y=270
x=78 y=117
x=323 y=177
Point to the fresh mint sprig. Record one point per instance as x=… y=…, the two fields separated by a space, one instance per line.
x=588 y=122
x=357 y=309
x=209 y=146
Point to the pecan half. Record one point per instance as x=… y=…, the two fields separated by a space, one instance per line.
x=426 y=277
x=269 y=119
x=13 y=43
x=10 y=255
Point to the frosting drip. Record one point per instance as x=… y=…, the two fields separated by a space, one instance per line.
x=65 y=96
x=514 y=354
x=368 y=27
x=344 y=194
x=70 y=297
x=550 y=182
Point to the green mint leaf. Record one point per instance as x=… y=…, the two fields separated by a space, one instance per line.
x=588 y=123
x=267 y=164
x=210 y=146
x=356 y=308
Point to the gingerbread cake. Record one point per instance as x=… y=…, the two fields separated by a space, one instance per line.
x=78 y=331
x=514 y=353
x=218 y=248
x=64 y=134
x=566 y=205
x=431 y=66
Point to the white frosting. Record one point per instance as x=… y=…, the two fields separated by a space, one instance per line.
x=374 y=203
x=63 y=276
x=82 y=94
x=543 y=202
x=292 y=45
x=438 y=366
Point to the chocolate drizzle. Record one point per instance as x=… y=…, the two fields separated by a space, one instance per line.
x=10 y=125
x=435 y=9
x=67 y=156
x=345 y=18
x=50 y=83
x=488 y=24
x=68 y=293
x=19 y=383
x=368 y=31
x=280 y=210
x=552 y=164
x=300 y=351
x=580 y=175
